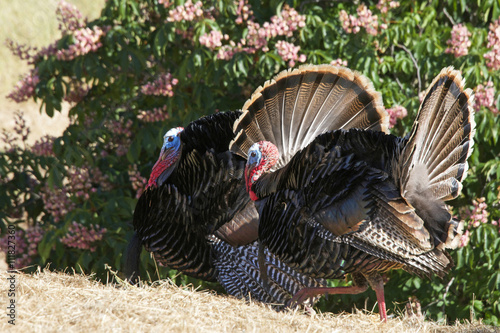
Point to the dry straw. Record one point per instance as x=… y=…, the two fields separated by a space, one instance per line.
x=48 y=301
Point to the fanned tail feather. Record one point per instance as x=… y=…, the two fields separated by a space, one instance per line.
x=298 y=105
x=433 y=163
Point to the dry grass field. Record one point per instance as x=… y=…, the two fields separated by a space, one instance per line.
x=48 y=302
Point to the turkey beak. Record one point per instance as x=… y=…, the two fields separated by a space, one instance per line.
x=248 y=169
x=164 y=153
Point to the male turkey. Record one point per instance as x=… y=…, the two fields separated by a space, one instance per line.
x=365 y=202
x=195 y=215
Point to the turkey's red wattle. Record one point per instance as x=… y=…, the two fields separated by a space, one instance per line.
x=160 y=166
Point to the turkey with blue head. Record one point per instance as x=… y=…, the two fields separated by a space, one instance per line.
x=195 y=215
x=364 y=202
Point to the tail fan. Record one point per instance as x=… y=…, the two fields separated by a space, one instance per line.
x=433 y=163
x=298 y=105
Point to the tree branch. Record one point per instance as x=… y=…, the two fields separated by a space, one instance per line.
x=414 y=63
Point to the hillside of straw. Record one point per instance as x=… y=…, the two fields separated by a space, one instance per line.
x=48 y=301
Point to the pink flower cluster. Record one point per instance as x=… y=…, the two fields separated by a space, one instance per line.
x=21 y=51
x=80 y=185
x=338 y=62
x=43 y=146
x=257 y=37
x=476 y=217
x=289 y=52
x=86 y=40
x=459 y=42
x=213 y=39
x=165 y=3
x=34 y=236
x=26 y=245
x=31 y=54
x=365 y=19
x=243 y=11
x=395 y=113
x=485 y=96
x=25 y=89
x=161 y=86
x=285 y=24
x=493 y=56
x=187 y=12
x=56 y=201
x=384 y=5
x=21 y=247
x=123 y=130
x=465 y=239
x=138 y=182
x=157 y=114
x=69 y=17
x=82 y=237
x=21 y=128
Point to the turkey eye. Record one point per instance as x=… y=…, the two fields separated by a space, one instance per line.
x=170 y=139
x=253 y=154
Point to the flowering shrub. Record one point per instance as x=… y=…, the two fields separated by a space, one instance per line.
x=459 y=43
x=395 y=113
x=146 y=66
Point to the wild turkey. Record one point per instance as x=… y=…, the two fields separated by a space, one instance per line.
x=195 y=215
x=365 y=202
x=217 y=241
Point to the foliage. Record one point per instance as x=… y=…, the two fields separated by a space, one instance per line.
x=146 y=66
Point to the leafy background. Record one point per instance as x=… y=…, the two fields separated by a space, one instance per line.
x=143 y=67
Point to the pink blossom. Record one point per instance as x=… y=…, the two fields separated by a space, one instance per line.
x=338 y=62
x=187 y=12
x=485 y=96
x=138 y=182
x=165 y=3
x=285 y=24
x=154 y=115
x=69 y=17
x=243 y=11
x=82 y=237
x=258 y=36
x=289 y=52
x=493 y=56
x=43 y=146
x=226 y=52
x=123 y=135
x=161 y=86
x=395 y=113
x=25 y=89
x=213 y=39
x=422 y=95
x=86 y=40
x=464 y=240
x=21 y=127
x=479 y=213
x=459 y=43
x=365 y=19
x=21 y=51
x=56 y=201
x=384 y=5
x=26 y=245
